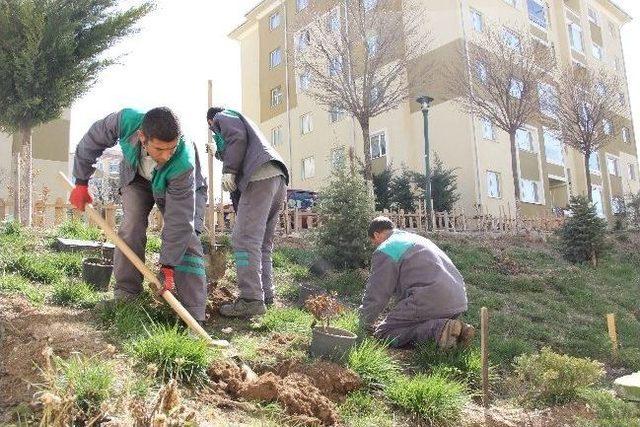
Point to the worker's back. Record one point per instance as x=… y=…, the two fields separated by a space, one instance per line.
x=429 y=285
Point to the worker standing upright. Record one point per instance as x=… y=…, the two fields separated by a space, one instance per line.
x=257 y=178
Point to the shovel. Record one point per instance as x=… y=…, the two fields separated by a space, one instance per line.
x=148 y=274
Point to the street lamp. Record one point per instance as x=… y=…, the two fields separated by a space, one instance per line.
x=425 y=102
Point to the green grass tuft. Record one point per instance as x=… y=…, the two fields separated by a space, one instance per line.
x=610 y=411
x=286 y=320
x=362 y=409
x=176 y=353
x=154 y=243
x=14 y=284
x=373 y=363
x=74 y=229
x=47 y=267
x=127 y=319
x=349 y=321
x=89 y=380
x=75 y=294
x=435 y=399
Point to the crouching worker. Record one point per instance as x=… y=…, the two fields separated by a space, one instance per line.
x=429 y=289
x=159 y=167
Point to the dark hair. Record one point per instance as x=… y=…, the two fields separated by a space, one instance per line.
x=381 y=223
x=160 y=123
x=211 y=112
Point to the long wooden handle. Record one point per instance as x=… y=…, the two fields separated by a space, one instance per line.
x=147 y=273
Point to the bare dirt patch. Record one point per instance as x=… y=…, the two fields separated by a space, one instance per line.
x=218 y=295
x=306 y=392
x=506 y=416
x=25 y=331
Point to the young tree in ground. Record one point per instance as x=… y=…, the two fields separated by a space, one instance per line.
x=583 y=234
x=345 y=209
x=402 y=191
x=51 y=52
x=444 y=186
x=588 y=110
x=381 y=188
x=499 y=82
x=355 y=58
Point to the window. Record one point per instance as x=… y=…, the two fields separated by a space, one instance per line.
x=524 y=139
x=301 y=4
x=548 y=96
x=374 y=95
x=613 y=166
x=632 y=171
x=477 y=21
x=304 y=81
x=537 y=12
x=302 y=40
x=335 y=67
x=276 y=136
x=481 y=71
x=337 y=158
x=529 y=191
x=516 y=89
x=575 y=37
x=593 y=17
x=601 y=89
x=276 y=96
x=275 y=58
x=594 y=164
x=511 y=39
x=494 y=189
x=378 y=145
x=333 y=22
x=596 y=196
x=274 y=21
x=372 y=45
x=370 y=4
x=487 y=129
x=626 y=137
x=607 y=127
x=617 y=205
x=597 y=52
x=308 y=167
x=553 y=147
x=335 y=114
x=306 y=124
x=511 y=2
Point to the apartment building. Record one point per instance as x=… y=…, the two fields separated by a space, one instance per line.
x=50 y=155
x=312 y=140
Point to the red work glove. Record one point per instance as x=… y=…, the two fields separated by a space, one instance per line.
x=167 y=278
x=80 y=196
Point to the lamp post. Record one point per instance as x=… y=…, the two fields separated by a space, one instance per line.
x=425 y=103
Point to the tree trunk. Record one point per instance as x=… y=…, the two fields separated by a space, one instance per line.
x=368 y=172
x=16 y=170
x=26 y=199
x=514 y=170
x=588 y=175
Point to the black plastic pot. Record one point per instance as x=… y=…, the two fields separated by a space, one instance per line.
x=331 y=343
x=307 y=291
x=97 y=272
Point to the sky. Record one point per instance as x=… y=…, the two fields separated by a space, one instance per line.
x=184 y=43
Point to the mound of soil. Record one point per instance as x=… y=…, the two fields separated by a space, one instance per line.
x=306 y=392
x=218 y=296
x=25 y=332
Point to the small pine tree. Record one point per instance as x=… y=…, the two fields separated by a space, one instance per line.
x=583 y=234
x=381 y=188
x=345 y=209
x=444 y=186
x=402 y=193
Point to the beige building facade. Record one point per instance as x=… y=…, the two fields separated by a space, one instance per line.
x=50 y=155
x=312 y=140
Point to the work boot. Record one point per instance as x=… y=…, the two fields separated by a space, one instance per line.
x=467 y=335
x=243 y=308
x=450 y=334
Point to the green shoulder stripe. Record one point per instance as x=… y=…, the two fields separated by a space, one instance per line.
x=181 y=161
x=397 y=245
x=130 y=122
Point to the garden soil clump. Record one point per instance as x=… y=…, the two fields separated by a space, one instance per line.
x=25 y=332
x=218 y=296
x=306 y=392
